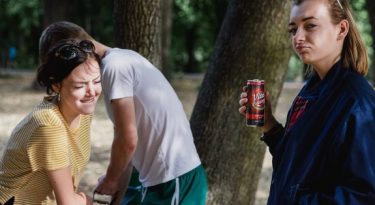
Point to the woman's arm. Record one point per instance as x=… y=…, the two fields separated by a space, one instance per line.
x=62 y=184
x=272 y=130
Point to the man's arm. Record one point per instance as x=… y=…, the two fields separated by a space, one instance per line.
x=123 y=185
x=123 y=145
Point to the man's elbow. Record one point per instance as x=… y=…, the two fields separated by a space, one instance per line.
x=130 y=146
x=129 y=142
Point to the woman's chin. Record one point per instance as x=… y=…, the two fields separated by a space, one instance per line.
x=88 y=111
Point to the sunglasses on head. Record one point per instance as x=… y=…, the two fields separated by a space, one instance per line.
x=69 y=51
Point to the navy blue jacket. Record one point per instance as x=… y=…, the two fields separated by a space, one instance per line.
x=328 y=155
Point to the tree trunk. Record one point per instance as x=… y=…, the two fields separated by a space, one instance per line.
x=138 y=27
x=370 y=5
x=190 y=43
x=167 y=8
x=252 y=43
x=220 y=8
x=57 y=10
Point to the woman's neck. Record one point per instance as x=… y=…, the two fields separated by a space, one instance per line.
x=72 y=120
x=323 y=67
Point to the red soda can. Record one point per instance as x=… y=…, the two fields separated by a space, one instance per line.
x=256 y=103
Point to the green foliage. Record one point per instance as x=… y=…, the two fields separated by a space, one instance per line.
x=363 y=22
x=26 y=13
x=96 y=17
x=295 y=69
x=195 y=27
x=19 y=26
x=22 y=23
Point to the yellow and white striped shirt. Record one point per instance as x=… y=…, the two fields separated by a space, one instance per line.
x=42 y=142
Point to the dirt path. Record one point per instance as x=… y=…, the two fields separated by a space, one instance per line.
x=16 y=100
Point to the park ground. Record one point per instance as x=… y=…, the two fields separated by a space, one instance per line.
x=17 y=99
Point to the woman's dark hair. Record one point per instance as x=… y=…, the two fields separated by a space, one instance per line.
x=58 y=31
x=62 y=59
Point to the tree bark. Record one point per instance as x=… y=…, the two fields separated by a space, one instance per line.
x=190 y=43
x=138 y=27
x=252 y=43
x=166 y=38
x=220 y=10
x=57 y=10
x=370 y=5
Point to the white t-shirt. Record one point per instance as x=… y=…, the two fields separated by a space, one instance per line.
x=165 y=147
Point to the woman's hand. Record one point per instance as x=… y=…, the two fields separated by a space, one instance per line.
x=62 y=184
x=243 y=101
x=83 y=199
x=269 y=119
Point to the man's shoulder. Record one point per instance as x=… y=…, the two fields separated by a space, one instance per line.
x=120 y=60
x=120 y=53
x=121 y=57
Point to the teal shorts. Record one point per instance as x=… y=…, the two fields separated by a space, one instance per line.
x=188 y=189
x=133 y=194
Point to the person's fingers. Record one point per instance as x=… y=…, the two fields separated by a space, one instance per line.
x=243 y=95
x=99 y=187
x=106 y=187
x=80 y=198
x=242 y=110
x=101 y=190
x=243 y=101
x=83 y=195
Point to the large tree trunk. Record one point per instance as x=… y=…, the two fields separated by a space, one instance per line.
x=370 y=5
x=167 y=8
x=190 y=43
x=220 y=10
x=57 y=10
x=138 y=27
x=252 y=43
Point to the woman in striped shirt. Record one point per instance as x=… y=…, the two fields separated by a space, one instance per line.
x=49 y=148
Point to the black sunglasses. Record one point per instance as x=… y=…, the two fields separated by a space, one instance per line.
x=69 y=51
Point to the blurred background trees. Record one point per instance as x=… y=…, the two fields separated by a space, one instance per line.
x=191 y=26
x=217 y=37
x=187 y=44
x=23 y=21
x=20 y=27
